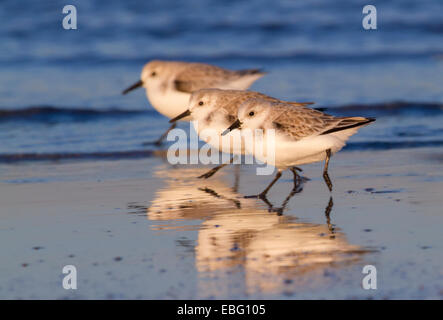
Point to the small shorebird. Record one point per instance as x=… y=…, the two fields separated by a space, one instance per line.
x=169 y=84
x=216 y=109
x=302 y=135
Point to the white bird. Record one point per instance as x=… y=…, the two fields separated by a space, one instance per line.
x=213 y=110
x=169 y=84
x=302 y=135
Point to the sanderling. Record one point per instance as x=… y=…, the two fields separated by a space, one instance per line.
x=216 y=109
x=169 y=84
x=302 y=135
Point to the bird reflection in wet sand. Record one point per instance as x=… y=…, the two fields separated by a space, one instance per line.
x=251 y=236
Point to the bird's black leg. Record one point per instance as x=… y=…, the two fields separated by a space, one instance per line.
x=297 y=178
x=297 y=189
x=266 y=201
x=211 y=172
x=325 y=170
x=264 y=192
x=162 y=137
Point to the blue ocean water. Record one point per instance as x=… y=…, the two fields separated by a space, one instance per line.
x=60 y=90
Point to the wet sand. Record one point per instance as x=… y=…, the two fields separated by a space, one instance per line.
x=142 y=229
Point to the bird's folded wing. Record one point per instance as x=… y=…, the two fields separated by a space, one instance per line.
x=231 y=105
x=300 y=122
x=200 y=76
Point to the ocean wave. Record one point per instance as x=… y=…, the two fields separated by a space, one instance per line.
x=60 y=114
x=114 y=155
x=298 y=56
x=147 y=153
x=403 y=108
x=389 y=145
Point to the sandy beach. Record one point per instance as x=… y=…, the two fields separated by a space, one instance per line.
x=145 y=229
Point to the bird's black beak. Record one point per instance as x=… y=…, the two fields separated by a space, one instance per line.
x=134 y=86
x=180 y=116
x=236 y=125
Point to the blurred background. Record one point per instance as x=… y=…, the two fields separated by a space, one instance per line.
x=54 y=81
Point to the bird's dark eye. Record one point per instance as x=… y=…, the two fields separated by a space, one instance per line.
x=251 y=113
x=153 y=74
x=200 y=103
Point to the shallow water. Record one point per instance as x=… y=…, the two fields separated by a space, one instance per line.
x=144 y=229
x=138 y=228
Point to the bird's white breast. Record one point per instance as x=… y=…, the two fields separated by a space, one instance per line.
x=169 y=102
x=211 y=134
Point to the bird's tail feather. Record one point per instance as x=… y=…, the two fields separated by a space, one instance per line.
x=245 y=72
x=349 y=123
x=300 y=104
